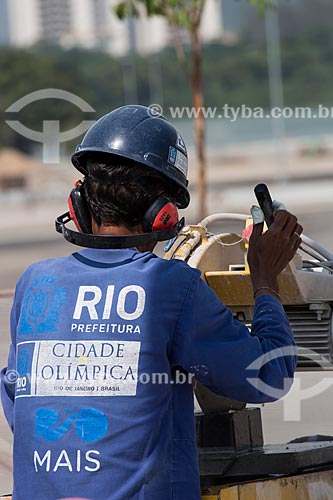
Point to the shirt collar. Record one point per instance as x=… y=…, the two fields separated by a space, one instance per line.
x=111 y=255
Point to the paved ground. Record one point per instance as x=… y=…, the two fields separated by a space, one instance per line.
x=5 y=433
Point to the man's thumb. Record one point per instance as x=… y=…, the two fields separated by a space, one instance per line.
x=258 y=222
x=257 y=215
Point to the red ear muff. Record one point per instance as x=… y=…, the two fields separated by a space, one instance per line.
x=160 y=223
x=78 y=209
x=162 y=215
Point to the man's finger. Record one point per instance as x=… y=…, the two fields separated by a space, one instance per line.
x=295 y=238
x=298 y=230
x=284 y=221
x=280 y=218
x=296 y=244
x=256 y=231
x=291 y=225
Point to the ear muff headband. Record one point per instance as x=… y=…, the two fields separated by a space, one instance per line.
x=128 y=241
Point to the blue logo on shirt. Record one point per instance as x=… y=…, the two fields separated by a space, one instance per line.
x=89 y=424
x=41 y=306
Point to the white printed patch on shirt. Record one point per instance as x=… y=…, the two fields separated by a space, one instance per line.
x=79 y=368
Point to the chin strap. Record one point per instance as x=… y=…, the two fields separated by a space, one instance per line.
x=107 y=241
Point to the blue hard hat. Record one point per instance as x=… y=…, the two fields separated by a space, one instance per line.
x=136 y=133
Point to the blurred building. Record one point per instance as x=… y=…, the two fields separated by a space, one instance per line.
x=21 y=19
x=55 y=19
x=234 y=14
x=211 y=24
x=19 y=171
x=4 y=23
x=93 y=23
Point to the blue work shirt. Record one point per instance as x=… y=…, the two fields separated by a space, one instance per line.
x=96 y=338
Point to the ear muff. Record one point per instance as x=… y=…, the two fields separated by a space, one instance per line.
x=78 y=208
x=160 y=224
x=161 y=215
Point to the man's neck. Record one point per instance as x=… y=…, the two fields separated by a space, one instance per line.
x=121 y=231
x=116 y=230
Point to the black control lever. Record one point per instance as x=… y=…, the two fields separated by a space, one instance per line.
x=265 y=202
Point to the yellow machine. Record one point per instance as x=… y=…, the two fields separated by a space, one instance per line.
x=234 y=462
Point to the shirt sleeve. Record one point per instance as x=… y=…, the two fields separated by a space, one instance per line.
x=254 y=365
x=9 y=374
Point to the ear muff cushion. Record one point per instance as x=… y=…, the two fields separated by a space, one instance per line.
x=78 y=209
x=160 y=216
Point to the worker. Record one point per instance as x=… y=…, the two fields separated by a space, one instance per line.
x=105 y=342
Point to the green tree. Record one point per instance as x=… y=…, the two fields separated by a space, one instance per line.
x=183 y=15
x=262 y=5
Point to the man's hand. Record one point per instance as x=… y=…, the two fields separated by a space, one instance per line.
x=270 y=253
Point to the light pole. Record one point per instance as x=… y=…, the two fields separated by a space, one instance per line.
x=276 y=91
x=129 y=65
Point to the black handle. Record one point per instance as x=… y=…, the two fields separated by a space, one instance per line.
x=265 y=202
